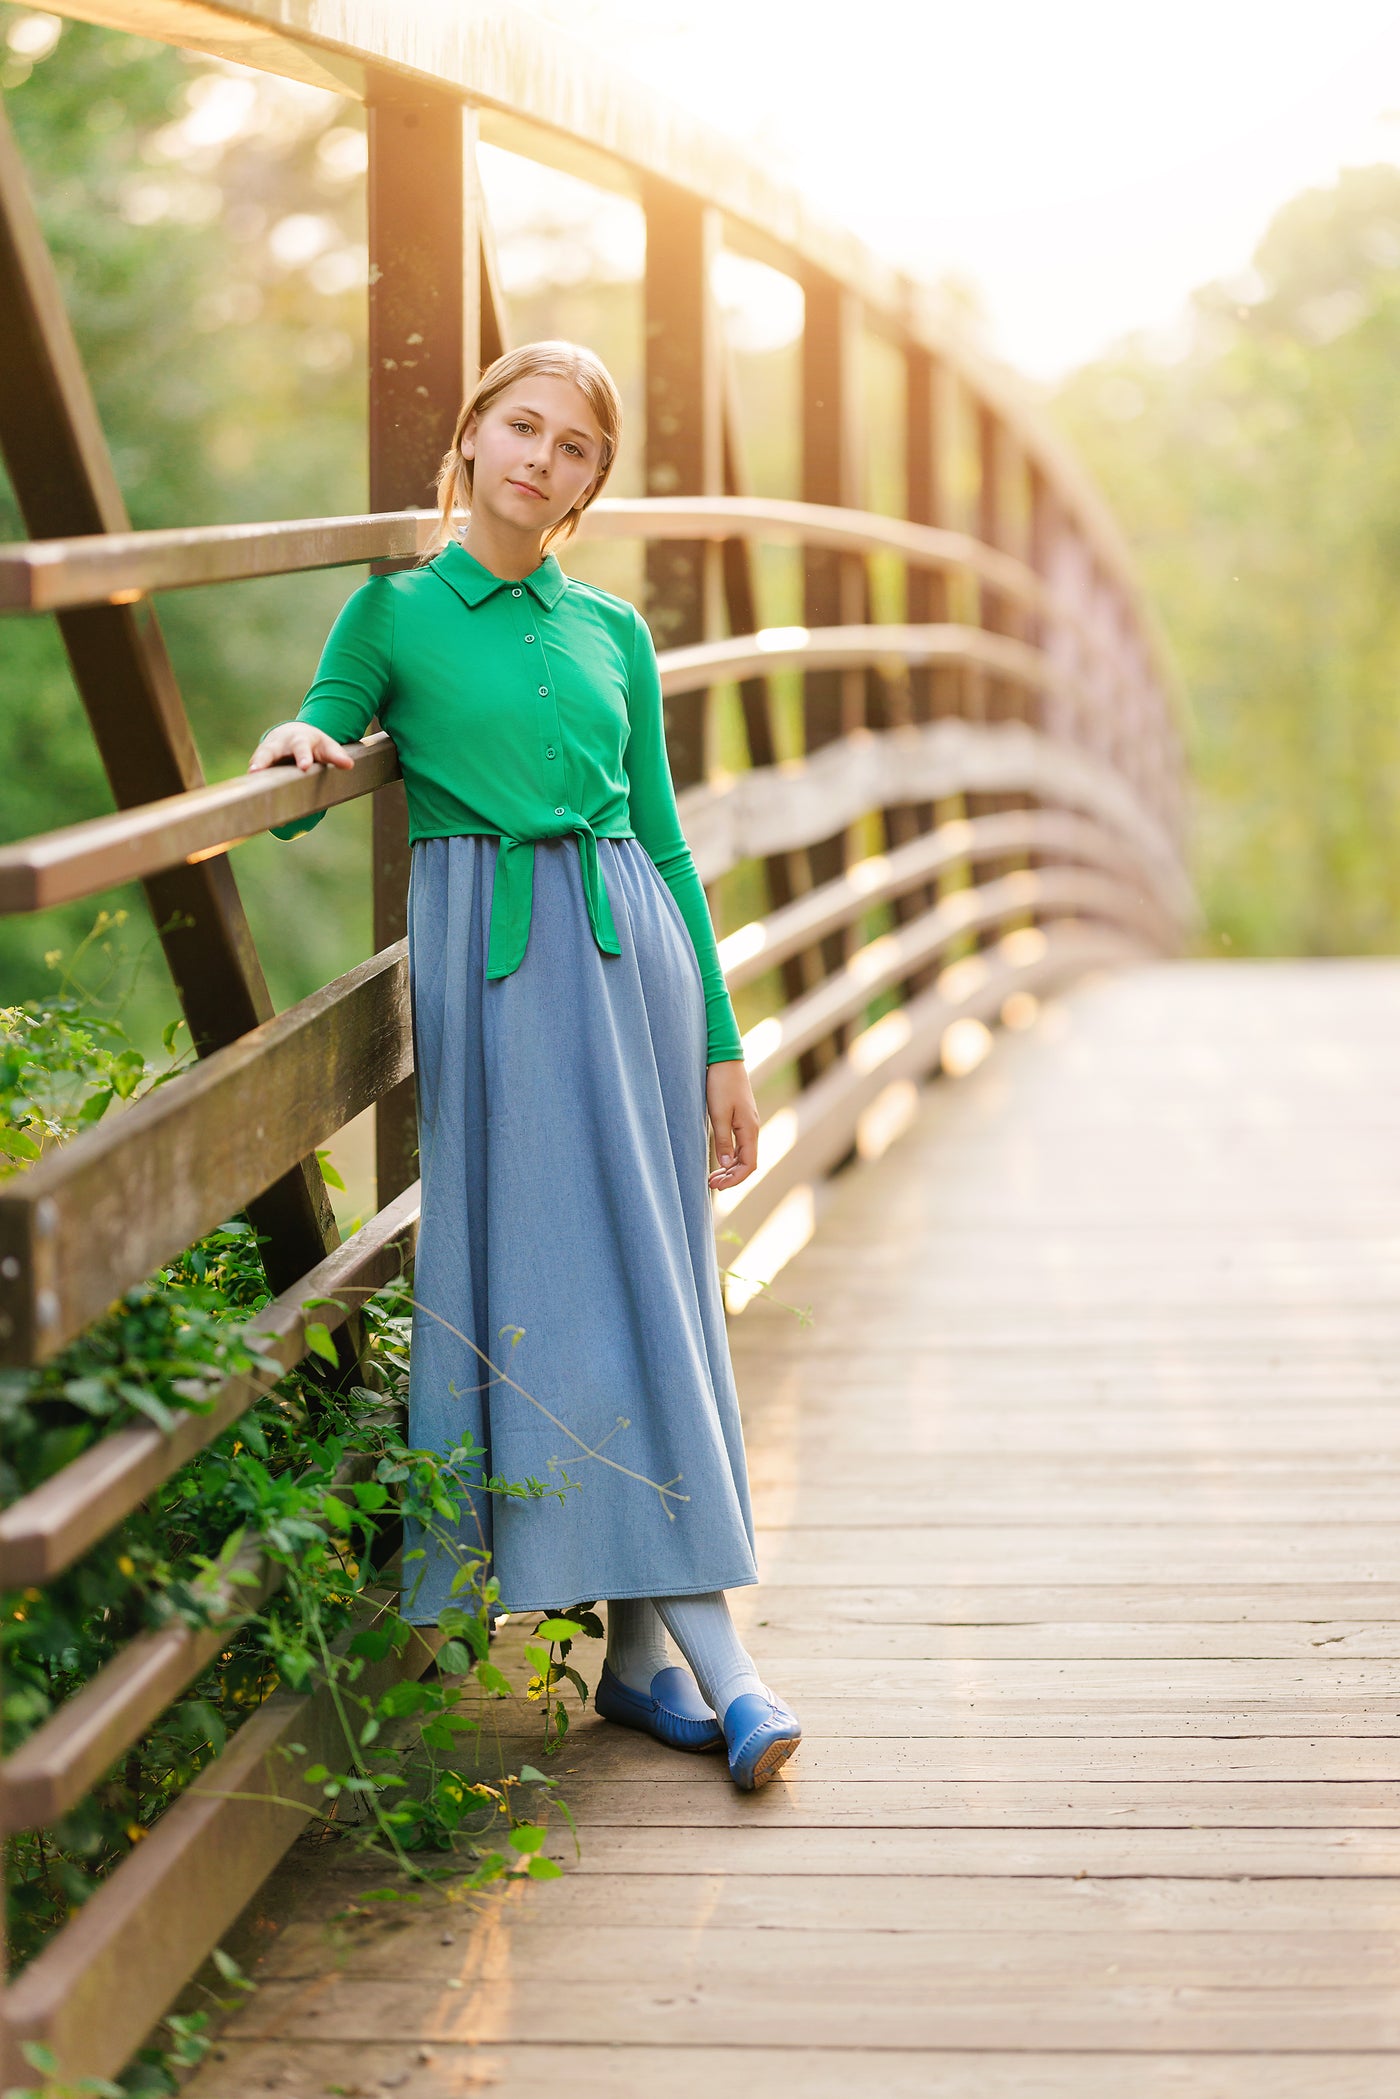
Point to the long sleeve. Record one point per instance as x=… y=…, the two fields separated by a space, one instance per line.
x=656 y=821
x=352 y=677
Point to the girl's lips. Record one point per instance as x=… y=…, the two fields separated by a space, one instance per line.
x=527 y=488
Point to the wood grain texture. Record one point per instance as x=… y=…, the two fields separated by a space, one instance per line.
x=1076 y=1507
x=102 y=1212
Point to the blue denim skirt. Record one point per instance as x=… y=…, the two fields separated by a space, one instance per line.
x=566 y=1235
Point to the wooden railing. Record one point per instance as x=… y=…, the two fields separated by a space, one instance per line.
x=1022 y=763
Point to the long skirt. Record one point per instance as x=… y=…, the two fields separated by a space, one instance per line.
x=568 y=1316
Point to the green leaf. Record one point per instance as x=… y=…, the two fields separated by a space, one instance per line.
x=558 y=1629
x=453 y=1659
x=374 y=1643
x=96 y=1106
x=225 y=1963
x=544 y=1869
x=318 y=1341
x=314 y=1773
x=328 y=1172
x=491 y=1679
x=334 y=1511
x=528 y=1837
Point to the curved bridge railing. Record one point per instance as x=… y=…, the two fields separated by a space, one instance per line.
x=987 y=801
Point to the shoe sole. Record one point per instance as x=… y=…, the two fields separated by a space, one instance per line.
x=772 y=1760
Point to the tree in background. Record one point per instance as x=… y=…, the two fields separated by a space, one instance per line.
x=208 y=227
x=1258 y=478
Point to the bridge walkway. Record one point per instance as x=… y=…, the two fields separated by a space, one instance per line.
x=1078 y=1503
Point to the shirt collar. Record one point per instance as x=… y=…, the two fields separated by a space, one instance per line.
x=474 y=583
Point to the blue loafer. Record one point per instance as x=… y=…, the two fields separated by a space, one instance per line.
x=760 y=1733
x=673 y=1711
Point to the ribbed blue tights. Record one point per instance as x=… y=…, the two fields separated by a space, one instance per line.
x=702 y=1629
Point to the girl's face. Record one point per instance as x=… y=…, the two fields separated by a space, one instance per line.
x=536 y=451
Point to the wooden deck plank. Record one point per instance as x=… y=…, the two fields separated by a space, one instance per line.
x=603 y=2071
x=1077 y=1506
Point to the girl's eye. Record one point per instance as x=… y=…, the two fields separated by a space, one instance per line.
x=574 y=449
x=524 y=426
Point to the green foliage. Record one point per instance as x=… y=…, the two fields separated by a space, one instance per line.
x=207 y=225
x=305 y=1496
x=1258 y=476
x=64 y=1062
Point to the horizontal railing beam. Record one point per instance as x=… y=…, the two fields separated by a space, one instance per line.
x=175 y=1895
x=1058 y=891
x=45 y=1531
x=780 y=808
x=56 y=867
x=552 y=105
x=790 y=804
x=852 y=648
x=101 y=1213
x=65 y=1757
x=55 y=575
x=802 y=1142
x=760 y=945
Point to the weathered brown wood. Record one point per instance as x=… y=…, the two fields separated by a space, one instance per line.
x=1055 y=892
x=823 y=651
x=54 y=867
x=424 y=351
x=64 y=484
x=756 y=814
x=1052 y=834
x=833 y=583
x=578 y=115
x=54 y=574
x=684 y=439
x=904 y=1046
x=1075 y=1526
x=50 y=575
x=178 y=1891
x=45 y=1531
x=88 y=1221
x=65 y=1757
x=518 y=2069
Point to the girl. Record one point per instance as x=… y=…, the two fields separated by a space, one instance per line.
x=571 y=1030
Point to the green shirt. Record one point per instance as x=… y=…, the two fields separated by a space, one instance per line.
x=519 y=711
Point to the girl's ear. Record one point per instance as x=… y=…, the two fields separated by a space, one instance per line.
x=469 y=438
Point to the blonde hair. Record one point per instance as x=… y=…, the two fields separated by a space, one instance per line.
x=546 y=360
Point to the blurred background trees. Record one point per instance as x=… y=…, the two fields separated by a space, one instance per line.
x=1255 y=466
x=209 y=228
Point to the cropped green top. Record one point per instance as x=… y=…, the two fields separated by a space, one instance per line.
x=521 y=711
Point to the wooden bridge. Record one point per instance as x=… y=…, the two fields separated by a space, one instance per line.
x=1075 y=1493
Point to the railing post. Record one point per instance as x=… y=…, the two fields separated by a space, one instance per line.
x=64 y=483
x=833 y=583
x=426 y=278
x=684 y=439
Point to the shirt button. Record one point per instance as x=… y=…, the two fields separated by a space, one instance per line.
x=515 y=593
x=544 y=692
x=549 y=750
x=560 y=810
x=529 y=637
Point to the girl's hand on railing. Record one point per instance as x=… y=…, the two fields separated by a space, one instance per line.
x=301 y=743
x=734 y=1120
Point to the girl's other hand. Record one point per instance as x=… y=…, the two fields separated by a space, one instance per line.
x=301 y=743
x=734 y=1121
